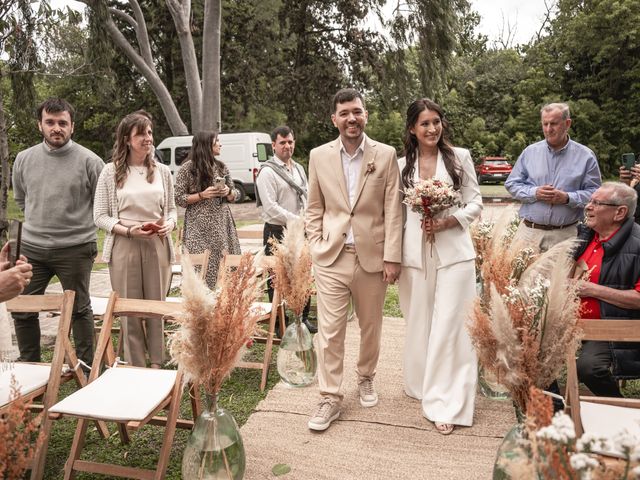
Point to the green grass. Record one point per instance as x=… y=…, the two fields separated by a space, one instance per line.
x=240 y=394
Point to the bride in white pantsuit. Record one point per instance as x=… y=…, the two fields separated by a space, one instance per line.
x=437 y=285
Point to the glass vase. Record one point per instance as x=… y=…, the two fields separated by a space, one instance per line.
x=513 y=448
x=296 y=356
x=214 y=450
x=489 y=385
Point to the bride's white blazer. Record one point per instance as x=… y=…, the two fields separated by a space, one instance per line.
x=453 y=245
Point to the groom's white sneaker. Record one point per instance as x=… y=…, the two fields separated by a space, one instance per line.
x=368 y=395
x=326 y=412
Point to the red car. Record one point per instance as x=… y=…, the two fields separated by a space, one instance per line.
x=493 y=169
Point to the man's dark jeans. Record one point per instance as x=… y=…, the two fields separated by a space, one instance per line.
x=73 y=267
x=277 y=232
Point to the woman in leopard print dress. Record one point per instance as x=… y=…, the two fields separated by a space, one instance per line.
x=208 y=223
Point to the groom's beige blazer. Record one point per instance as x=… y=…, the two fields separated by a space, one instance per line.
x=376 y=215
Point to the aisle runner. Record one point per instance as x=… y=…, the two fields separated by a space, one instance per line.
x=389 y=441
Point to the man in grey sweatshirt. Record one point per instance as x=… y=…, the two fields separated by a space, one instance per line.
x=53 y=184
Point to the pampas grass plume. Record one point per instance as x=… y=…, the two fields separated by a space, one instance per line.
x=215 y=326
x=292 y=271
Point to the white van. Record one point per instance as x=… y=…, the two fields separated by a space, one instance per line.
x=241 y=153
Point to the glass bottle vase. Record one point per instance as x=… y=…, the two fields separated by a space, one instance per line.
x=489 y=385
x=296 y=356
x=214 y=450
x=513 y=449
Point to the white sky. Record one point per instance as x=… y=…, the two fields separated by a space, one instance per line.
x=525 y=16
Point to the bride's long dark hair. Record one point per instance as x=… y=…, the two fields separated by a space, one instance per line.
x=412 y=148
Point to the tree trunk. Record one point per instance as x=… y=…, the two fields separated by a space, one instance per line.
x=211 y=119
x=146 y=69
x=4 y=171
x=181 y=14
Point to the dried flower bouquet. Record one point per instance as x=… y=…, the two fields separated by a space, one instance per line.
x=293 y=278
x=430 y=197
x=550 y=449
x=215 y=326
x=17 y=428
x=292 y=275
x=525 y=320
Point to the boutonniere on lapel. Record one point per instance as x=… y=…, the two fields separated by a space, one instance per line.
x=371 y=167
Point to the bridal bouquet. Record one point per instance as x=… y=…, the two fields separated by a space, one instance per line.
x=430 y=197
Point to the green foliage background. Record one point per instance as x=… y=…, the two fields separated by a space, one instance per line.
x=282 y=61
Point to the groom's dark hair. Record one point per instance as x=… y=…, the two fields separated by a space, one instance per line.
x=346 y=95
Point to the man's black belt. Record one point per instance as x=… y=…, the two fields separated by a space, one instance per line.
x=537 y=226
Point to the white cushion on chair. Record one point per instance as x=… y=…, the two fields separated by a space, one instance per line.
x=29 y=377
x=120 y=394
x=99 y=305
x=176 y=269
x=263 y=307
x=609 y=420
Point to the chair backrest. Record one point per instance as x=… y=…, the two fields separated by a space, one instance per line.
x=122 y=307
x=62 y=303
x=265 y=265
x=250 y=234
x=199 y=261
x=606 y=331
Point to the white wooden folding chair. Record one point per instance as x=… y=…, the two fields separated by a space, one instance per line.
x=271 y=312
x=40 y=379
x=602 y=416
x=129 y=396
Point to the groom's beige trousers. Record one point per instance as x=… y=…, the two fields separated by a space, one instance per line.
x=335 y=285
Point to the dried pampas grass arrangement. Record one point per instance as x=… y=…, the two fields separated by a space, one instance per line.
x=526 y=318
x=215 y=326
x=17 y=427
x=292 y=270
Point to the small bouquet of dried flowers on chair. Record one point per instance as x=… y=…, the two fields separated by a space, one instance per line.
x=213 y=332
x=292 y=277
x=550 y=449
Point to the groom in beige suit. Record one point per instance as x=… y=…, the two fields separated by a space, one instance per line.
x=354 y=225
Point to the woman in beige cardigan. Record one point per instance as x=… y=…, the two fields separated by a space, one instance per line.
x=134 y=204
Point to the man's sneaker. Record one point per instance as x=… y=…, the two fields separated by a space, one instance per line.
x=326 y=412
x=368 y=395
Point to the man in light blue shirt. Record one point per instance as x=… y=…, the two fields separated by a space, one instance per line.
x=554 y=180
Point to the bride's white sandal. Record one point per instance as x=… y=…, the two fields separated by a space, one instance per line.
x=444 y=428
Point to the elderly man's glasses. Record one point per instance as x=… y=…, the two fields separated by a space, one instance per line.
x=596 y=203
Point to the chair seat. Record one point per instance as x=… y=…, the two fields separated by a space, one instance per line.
x=120 y=394
x=609 y=420
x=176 y=269
x=263 y=307
x=29 y=377
x=99 y=304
